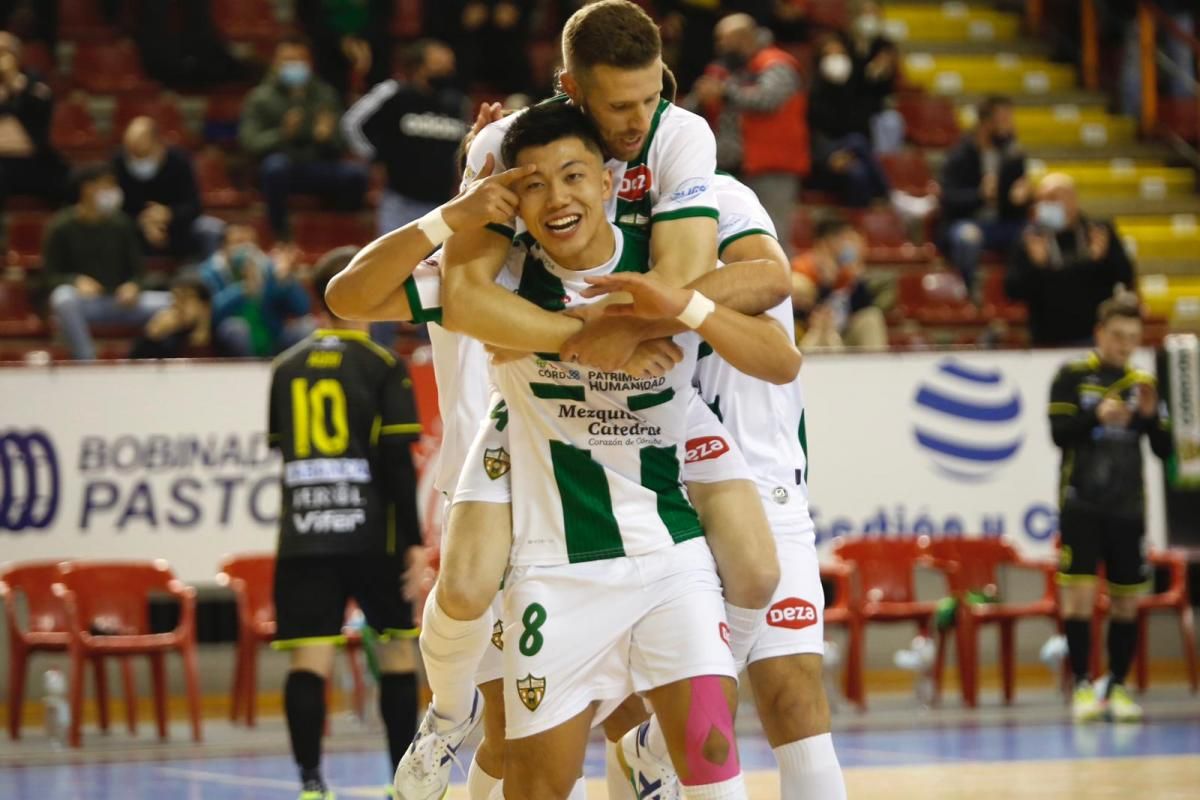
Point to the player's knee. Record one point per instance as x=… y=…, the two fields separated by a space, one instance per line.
x=711 y=753
x=535 y=777
x=462 y=597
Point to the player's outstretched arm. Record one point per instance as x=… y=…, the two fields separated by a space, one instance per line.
x=371 y=287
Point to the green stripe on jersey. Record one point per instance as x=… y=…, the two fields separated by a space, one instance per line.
x=803 y=434
x=640 y=402
x=660 y=474
x=589 y=523
x=416 y=309
x=554 y=391
x=540 y=286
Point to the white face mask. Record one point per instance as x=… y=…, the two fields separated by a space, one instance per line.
x=836 y=67
x=1052 y=215
x=109 y=200
x=142 y=169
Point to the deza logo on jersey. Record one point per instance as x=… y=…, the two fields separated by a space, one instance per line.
x=968 y=420
x=792 y=612
x=635 y=183
x=706 y=448
x=29 y=480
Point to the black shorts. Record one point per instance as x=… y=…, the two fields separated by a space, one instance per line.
x=1091 y=537
x=311 y=594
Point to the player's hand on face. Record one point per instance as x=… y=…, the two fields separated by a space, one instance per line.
x=607 y=344
x=490 y=199
x=649 y=297
x=654 y=358
x=502 y=355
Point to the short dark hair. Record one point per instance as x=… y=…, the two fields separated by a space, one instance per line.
x=670 y=85
x=90 y=172
x=1123 y=305
x=990 y=105
x=545 y=123
x=329 y=265
x=294 y=40
x=613 y=33
x=830 y=227
x=192 y=282
x=412 y=56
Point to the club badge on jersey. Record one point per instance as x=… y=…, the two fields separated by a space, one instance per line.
x=531 y=689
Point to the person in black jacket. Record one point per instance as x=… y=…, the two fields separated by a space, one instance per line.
x=1100 y=407
x=413 y=127
x=985 y=194
x=28 y=163
x=1064 y=266
x=161 y=194
x=351 y=41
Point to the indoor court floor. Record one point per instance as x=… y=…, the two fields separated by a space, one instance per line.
x=895 y=751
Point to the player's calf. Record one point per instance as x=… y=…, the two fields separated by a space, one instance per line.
x=790 y=697
x=487 y=768
x=547 y=765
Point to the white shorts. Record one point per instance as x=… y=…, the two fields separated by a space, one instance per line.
x=601 y=630
x=491 y=666
x=712 y=454
x=796 y=616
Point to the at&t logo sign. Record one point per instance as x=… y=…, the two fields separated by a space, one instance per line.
x=29 y=480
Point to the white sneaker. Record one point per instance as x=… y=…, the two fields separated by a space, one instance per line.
x=651 y=778
x=424 y=771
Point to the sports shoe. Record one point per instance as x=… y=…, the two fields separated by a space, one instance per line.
x=1086 y=705
x=316 y=790
x=1121 y=706
x=651 y=778
x=424 y=771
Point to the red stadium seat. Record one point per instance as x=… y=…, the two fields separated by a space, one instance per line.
x=162 y=108
x=246 y=19
x=222 y=116
x=109 y=68
x=996 y=304
x=832 y=14
x=1180 y=116
x=37 y=57
x=73 y=128
x=408 y=19
x=839 y=612
x=82 y=21
x=318 y=233
x=908 y=171
x=934 y=298
x=216 y=189
x=25 y=233
x=888 y=239
x=930 y=121
x=17 y=320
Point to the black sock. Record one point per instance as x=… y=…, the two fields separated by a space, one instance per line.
x=1079 y=646
x=1122 y=639
x=304 y=704
x=398 y=707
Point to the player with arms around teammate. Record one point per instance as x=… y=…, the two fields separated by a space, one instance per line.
x=1100 y=407
x=342 y=415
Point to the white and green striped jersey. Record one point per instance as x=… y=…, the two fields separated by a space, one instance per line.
x=596 y=456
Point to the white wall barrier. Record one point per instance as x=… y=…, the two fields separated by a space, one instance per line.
x=171 y=461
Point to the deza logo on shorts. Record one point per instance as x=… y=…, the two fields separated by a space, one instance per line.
x=29 y=480
x=968 y=420
x=792 y=612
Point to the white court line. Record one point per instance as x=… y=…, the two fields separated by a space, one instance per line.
x=264 y=783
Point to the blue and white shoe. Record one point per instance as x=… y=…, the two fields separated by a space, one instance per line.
x=652 y=779
x=424 y=771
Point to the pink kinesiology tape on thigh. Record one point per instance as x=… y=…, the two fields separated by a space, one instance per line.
x=709 y=713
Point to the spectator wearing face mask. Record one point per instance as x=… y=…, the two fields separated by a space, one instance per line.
x=1064 y=266
x=92 y=261
x=161 y=194
x=290 y=123
x=985 y=194
x=839 y=120
x=877 y=59
x=830 y=295
x=264 y=309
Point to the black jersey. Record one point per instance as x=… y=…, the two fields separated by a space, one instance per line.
x=1102 y=464
x=342 y=415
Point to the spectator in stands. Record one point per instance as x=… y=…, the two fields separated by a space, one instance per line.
x=45 y=19
x=839 y=119
x=789 y=20
x=28 y=163
x=413 y=127
x=161 y=194
x=985 y=194
x=290 y=122
x=1180 y=78
x=490 y=38
x=752 y=97
x=216 y=271
x=181 y=46
x=182 y=327
x=92 y=261
x=351 y=41
x=1064 y=266
x=265 y=309
x=830 y=295
x=877 y=59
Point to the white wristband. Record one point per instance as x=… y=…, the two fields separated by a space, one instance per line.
x=696 y=311
x=434 y=226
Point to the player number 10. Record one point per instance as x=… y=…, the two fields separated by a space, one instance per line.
x=328 y=433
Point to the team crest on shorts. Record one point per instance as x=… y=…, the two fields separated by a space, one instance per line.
x=498 y=635
x=496 y=462
x=531 y=690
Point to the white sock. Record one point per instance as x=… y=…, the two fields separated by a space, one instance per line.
x=732 y=789
x=451 y=649
x=656 y=741
x=579 y=790
x=479 y=783
x=615 y=778
x=809 y=768
x=745 y=625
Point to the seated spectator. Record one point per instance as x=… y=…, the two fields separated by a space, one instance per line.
x=160 y=191
x=985 y=194
x=215 y=270
x=413 y=127
x=877 y=59
x=839 y=119
x=28 y=163
x=290 y=123
x=490 y=38
x=830 y=295
x=92 y=262
x=182 y=327
x=181 y=46
x=265 y=309
x=351 y=41
x=1064 y=266
x=753 y=100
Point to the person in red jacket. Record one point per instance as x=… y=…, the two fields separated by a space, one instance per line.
x=753 y=97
